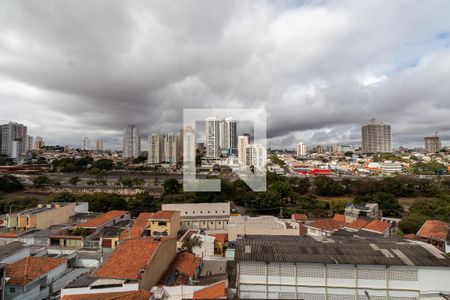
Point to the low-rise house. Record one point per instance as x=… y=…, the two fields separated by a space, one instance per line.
x=301 y=218
x=156 y=224
x=324 y=227
x=290 y=267
x=357 y=225
x=42 y=216
x=131 y=295
x=263 y=225
x=207 y=245
x=207 y=216
x=109 y=218
x=376 y=227
x=184 y=270
x=32 y=277
x=436 y=233
x=356 y=211
x=13 y=252
x=214 y=291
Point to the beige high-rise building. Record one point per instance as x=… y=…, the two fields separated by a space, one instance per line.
x=131 y=142
x=212 y=143
x=243 y=141
x=302 y=149
x=376 y=137
x=154 y=148
x=99 y=145
x=256 y=156
x=170 y=150
x=433 y=143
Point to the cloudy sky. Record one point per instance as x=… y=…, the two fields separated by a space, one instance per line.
x=70 y=69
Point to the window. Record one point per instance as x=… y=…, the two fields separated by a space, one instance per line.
x=209 y=212
x=212 y=223
x=193 y=211
x=185 y=212
x=12 y=290
x=201 y=211
x=216 y=211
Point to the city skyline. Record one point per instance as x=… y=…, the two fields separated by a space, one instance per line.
x=319 y=95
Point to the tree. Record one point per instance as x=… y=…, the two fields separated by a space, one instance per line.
x=189 y=244
x=126 y=182
x=390 y=205
x=300 y=185
x=172 y=186
x=10 y=183
x=74 y=180
x=411 y=223
x=327 y=186
x=141 y=202
x=283 y=189
x=41 y=181
x=103 y=164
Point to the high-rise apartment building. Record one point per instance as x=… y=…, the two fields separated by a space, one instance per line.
x=256 y=156
x=433 y=143
x=38 y=143
x=189 y=145
x=171 y=148
x=13 y=133
x=154 y=148
x=86 y=145
x=243 y=142
x=212 y=143
x=99 y=145
x=302 y=149
x=228 y=135
x=131 y=142
x=376 y=138
x=29 y=143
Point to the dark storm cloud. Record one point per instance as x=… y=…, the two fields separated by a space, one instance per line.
x=321 y=68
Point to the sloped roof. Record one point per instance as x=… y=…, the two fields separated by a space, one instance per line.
x=214 y=291
x=357 y=224
x=132 y=295
x=434 y=229
x=102 y=219
x=299 y=217
x=339 y=218
x=377 y=226
x=128 y=259
x=327 y=224
x=31 y=268
x=186 y=263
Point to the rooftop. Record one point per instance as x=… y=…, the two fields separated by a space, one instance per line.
x=31 y=268
x=327 y=224
x=186 y=263
x=434 y=229
x=357 y=224
x=131 y=295
x=11 y=248
x=128 y=259
x=339 y=250
x=377 y=226
x=103 y=219
x=299 y=217
x=214 y=291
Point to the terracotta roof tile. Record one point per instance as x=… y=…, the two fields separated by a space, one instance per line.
x=186 y=263
x=214 y=291
x=140 y=224
x=128 y=259
x=31 y=268
x=357 y=224
x=377 y=226
x=299 y=217
x=132 y=295
x=339 y=218
x=327 y=224
x=102 y=219
x=434 y=229
x=163 y=215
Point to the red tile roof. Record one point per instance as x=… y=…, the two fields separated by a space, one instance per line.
x=186 y=263
x=411 y=236
x=214 y=291
x=163 y=215
x=140 y=224
x=31 y=268
x=103 y=219
x=377 y=226
x=8 y=235
x=299 y=217
x=434 y=229
x=128 y=259
x=327 y=224
x=132 y=295
x=339 y=218
x=357 y=224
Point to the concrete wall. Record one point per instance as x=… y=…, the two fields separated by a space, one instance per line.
x=200 y=209
x=55 y=216
x=16 y=256
x=159 y=264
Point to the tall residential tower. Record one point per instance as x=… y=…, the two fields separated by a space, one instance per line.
x=131 y=142
x=376 y=138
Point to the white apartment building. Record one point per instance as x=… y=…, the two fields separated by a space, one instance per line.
x=86 y=144
x=433 y=144
x=10 y=133
x=302 y=149
x=288 y=267
x=131 y=142
x=376 y=138
x=228 y=134
x=99 y=145
x=170 y=147
x=208 y=216
x=189 y=145
x=212 y=142
x=154 y=148
x=256 y=156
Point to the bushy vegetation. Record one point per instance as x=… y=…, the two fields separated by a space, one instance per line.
x=9 y=183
